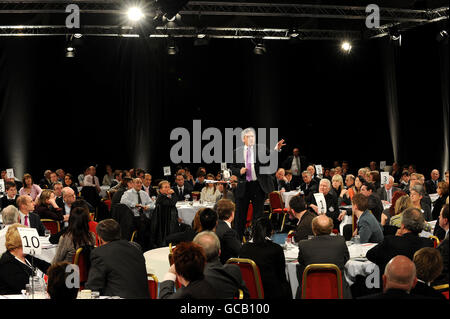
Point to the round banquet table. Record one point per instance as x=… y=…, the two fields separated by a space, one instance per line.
x=187 y=212
x=157 y=262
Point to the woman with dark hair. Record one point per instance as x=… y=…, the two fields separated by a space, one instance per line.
x=76 y=235
x=269 y=258
x=68 y=182
x=29 y=188
x=47 y=207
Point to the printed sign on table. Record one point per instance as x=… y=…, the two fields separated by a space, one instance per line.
x=30 y=241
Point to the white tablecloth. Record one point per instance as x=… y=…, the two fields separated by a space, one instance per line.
x=48 y=250
x=187 y=212
x=157 y=262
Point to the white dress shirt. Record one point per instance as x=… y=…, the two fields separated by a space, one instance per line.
x=130 y=198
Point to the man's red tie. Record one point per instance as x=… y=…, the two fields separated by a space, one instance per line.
x=26 y=221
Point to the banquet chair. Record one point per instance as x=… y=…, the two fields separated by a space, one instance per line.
x=322 y=281
x=250 y=275
x=276 y=206
x=81 y=261
x=93 y=229
x=52 y=225
x=152 y=286
x=443 y=289
x=291 y=235
x=435 y=240
x=249 y=215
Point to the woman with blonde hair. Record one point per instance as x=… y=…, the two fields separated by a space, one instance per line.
x=209 y=193
x=15 y=266
x=401 y=205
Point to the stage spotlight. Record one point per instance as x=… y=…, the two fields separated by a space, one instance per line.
x=293 y=33
x=346 y=46
x=172 y=48
x=135 y=14
x=78 y=35
x=70 y=51
x=260 y=49
x=442 y=36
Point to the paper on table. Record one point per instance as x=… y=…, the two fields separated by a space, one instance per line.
x=360 y=250
x=291 y=252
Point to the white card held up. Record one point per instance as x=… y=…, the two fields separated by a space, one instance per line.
x=30 y=241
x=10 y=173
x=382 y=165
x=223 y=166
x=384 y=178
x=319 y=169
x=2 y=186
x=321 y=203
x=167 y=171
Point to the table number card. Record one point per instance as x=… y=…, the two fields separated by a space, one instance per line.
x=167 y=171
x=223 y=166
x=384 y=178
x=2 y=186
x=10 y=173
x=382 y=165
x=319 y=169
x=30 y=241
x=321 y=203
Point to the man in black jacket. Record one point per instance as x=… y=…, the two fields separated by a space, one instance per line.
x=117 y=267
x=182 y=189
x=225 y=279
x=304 y=216
x=331 y=202
x=375 y=205
x=229 y=240
x=27 y=218
x=10 y=196
x=309 y=186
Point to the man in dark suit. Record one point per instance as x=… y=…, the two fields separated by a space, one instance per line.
x=45 y=182
x=253 y=182
x=281 y=181
x=125 y=184
x=375 y=204
x=295 y=163
x=432 y=184
x=229 y=240
x=387 y=192
x=117 y=267
x=331 y=202
x=10 y=196
x=225 y=279
x=406 y=241
x=304 y=216
x=309 y=186
x=398 y=279
x=147 y=186
x=182 y=188
x=444 y=246
x=27 y=218
x=323 y=249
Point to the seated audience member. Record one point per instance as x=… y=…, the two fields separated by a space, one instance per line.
x=402 y=203
x=229 y=239
x=200 y=182
x=416 y=194
x=229 y=194
x=10 y=215
x=396 y=172
x=109 y=176
x=118 y=175
x=348 y=192
x=57 y=288
x=117 y=266
x=91 y=188
x=386 y=192
x=323 y=249
x=281 y=182
x=225 y=279
x=404 y=181
x=137 y=199
x=90 y=180
x=331 y=202
x=29 y=188
x=182 y=189
x=27 y=218
x=209 y=193
x=10 y=197
x=47 y=208
x=269 y=258
x=76 y=235
x=442 y=191
x=374 y=178
x=444 y=245
x=147 y=186
x=337 y=184
x=312 y=171
x=60 y=173
x=369 y=229
x=66 y=203
x=125 y=185
x=431 y=185
x=309 y=186
x=57 y=189
x=69 y=182
x=406 y=242
x=390 y=212
x=429 y=266
x=15 y=266
x=399 y=279
x=189 y=261
x=375 y=204
x=304 y=225
x=45 y=182
x=53 y=179
x=425 y=202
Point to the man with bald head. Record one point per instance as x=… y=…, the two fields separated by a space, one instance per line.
x=68 y=197
x=432 y=184
x=225 y=279
x=26 y=216
x=398 y=279
x=323 y=248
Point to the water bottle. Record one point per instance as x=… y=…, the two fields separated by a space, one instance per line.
x=38 y=288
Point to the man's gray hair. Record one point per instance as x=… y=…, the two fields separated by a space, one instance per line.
x=412 y=219
x=210 y=243
x=391 y=179
x=10 y=215
x=246 y=131
x=307 y=173
x=327 y=181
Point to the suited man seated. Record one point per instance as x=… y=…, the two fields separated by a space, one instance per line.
x=117 y=266
x=182 y=189
x=10 y=196
x=27 y=217
x=323 y=249
x=330 y=199
x=399 y=279
x=309 y=186
x=304 y=216
x=432 y=184
x=387 y=192
x=405 y=242
x=375 y=204
x=281 y=182
x=229 y=240
x=225 y=279
x=137 y=199
x=368 y=228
